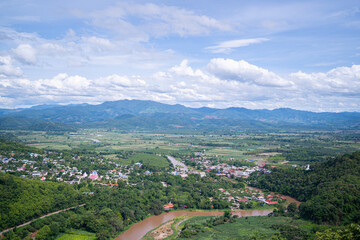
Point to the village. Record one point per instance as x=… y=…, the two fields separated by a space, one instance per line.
x=239 y=199
x=54 y=166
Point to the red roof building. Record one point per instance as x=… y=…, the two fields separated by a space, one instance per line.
x=270 y=202
x=168 y=206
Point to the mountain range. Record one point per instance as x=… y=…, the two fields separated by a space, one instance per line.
x=139 y=114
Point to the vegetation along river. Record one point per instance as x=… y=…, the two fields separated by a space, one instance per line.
x=138 y=230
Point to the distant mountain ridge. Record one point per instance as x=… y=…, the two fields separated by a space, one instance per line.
x=149 y=114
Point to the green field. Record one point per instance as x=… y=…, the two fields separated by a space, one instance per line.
x=77 y=235
x=297 y=148
x=247 y=227
x=144 y=158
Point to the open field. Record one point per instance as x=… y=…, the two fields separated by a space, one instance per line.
x=144 y=158
x=77 y=235
x=247 y=227
x=275 y=148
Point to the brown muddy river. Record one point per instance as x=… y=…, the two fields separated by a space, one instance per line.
x=138 y=230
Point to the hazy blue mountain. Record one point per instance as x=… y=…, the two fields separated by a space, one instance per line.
x=130 y=114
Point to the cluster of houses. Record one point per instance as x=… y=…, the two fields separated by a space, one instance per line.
x=248 y=195
x=224 y=169
x=207 y=165
x=51 y=165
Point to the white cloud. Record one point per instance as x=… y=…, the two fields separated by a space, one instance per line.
x=341 y=80
x=25 y=53
x=7 y=68
x=225 y=83
x=228 y=46
x=141 y=21
x=243 y=71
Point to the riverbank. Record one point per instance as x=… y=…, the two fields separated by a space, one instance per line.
x=140 y=229
x=168 y=230
x=288 y=198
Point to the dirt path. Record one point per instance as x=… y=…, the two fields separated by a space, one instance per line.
x=49 y=214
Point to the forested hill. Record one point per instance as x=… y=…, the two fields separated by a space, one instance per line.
x=330 y=190
x=132 y=114
x=24 y=199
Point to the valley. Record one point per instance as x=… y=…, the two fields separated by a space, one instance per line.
x=124 y=176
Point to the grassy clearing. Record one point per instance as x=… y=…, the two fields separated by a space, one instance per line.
x=246 y=227
x=146 y=159
x=77 y=235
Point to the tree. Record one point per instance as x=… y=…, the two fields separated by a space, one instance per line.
x=43 y=233
x=292 y=208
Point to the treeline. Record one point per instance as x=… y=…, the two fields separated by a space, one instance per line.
x=23 y=200
x=330 y=190
x=15 y=147
x=23 y=123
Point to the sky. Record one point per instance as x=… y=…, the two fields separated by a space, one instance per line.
x=262 y=54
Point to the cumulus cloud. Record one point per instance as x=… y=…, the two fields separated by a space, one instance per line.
x=228 y=46
x=7 y=69
x=221 y=83
x=243 y=71
x=341 y=80
x=25 y=53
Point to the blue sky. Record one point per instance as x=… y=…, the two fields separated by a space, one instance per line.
x=254 y=54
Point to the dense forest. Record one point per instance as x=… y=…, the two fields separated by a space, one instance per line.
x=25 y=199
x=330 y=190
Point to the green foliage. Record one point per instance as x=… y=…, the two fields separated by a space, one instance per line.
x=77 y=235
x=275 y=228
x=150 y=161
x=349 y=232
x=330 y=189
x=15 y=147
x=43 y=233
x=23 y=199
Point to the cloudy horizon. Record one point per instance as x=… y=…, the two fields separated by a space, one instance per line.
x=258 y=55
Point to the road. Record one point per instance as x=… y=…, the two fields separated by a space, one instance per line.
x=178 y=164
x=49 y=214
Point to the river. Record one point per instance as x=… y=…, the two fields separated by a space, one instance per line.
x=138 y=230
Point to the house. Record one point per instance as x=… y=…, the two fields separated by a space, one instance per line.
x=244 y=200
x=94 y=175
x=169 y=206
x=270 y=202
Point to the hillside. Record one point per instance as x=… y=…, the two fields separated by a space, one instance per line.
x=330 y=190
x=24 y=199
